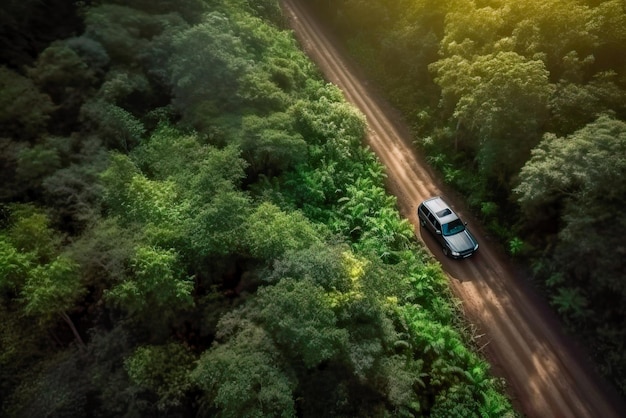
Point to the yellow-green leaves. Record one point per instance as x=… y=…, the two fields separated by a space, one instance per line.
x=271 y=232
x=52 y=289
x=45 y=281
x=157 y=284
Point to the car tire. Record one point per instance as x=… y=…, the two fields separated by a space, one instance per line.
x=446 y=251
x=422 y=222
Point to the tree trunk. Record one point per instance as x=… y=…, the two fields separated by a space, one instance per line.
x=67 y=319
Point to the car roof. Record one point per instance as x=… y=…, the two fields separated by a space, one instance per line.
x=440 y=209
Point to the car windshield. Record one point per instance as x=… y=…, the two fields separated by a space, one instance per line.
x=453 y=227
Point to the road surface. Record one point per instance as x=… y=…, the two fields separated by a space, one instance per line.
x=546 y=374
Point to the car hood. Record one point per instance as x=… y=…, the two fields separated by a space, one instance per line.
x=461 y=242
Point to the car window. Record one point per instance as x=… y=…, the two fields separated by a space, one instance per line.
x=437 y=226
x=453 y=227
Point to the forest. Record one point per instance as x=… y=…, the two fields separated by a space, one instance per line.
x=190 y=225
x=521 y=106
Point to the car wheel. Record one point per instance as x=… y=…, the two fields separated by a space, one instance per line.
x=446 y=251
x=422 y=222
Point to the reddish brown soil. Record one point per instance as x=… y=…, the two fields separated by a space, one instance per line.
x=545 y=372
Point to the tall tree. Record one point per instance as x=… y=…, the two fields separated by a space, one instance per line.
x=577 y=173
x=502 y=99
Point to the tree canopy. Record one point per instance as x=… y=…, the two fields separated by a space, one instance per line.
x=191 y=226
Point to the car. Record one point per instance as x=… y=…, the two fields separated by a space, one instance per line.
x=452 y=234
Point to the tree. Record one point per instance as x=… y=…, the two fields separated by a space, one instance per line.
x=197 y=187
x=164 y=370
x=60 y=72
x=14 y=266
x=157 y=282
x=30 y=232
x=501 y=98
x=190 y=10
x=44 y=281
x=36 y=163
x=321 y=263
x=55 y=386
x=103 y=252
x=575 y=105
x=270 y=232
x=551 y=31
x=127 y=32
x=577 y=174
x=156 y=207
x=199 y=93
x=75 y=191
x=244 y=377
x=299 y=317
x=117 y=128
x=328 y=118
x=52 y=289
x=270 y=145
x=24 y=110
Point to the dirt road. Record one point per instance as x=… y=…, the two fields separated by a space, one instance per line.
x=545 y=373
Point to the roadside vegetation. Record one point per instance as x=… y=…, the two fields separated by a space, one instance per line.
x=522 y=108
x=191 y=226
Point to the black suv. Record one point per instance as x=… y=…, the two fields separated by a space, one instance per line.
x=437 y=216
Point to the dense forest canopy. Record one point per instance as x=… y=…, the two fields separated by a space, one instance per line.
x=191 y=226
x=522 y=107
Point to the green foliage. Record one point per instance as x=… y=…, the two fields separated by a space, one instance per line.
x=118 y=396
x=190 y=10
x=580 y=166
x=52 y=289
x=270 y=232
x=21 y=343
x=91 y=52
x=507 y=74
x=321 y=263
x=198 y=93
x=328 y=118
x=269 y=144
x=120 y=85
x=136 y=200
x=36 y=163
x=24 y=110
x=516 y=246
x=14 y=266
x=502 y=98
x=168 y=237
x=575 y=105
x=570 y=302
x=243 y=377
x=30 y=232
x=74 y=190
x=158 y=282
x=103 y=253
x=578 y=175
x=219 y=227
x=300 y=319
x=117 y=128
x=125 y=32
x=38 y=281
x=163 y=370
x=60 y=72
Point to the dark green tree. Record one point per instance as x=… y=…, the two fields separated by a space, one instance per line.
x=24 y=110
x=577 y=173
